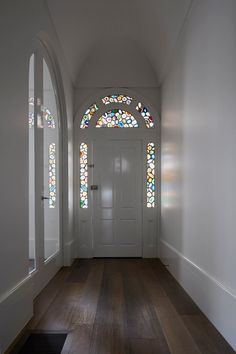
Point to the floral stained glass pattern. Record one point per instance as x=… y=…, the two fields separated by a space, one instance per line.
x=117 y=99
x=117 y=118
x=83 y=175
x=151 y=175
x=52 y=175
x=146 y=115
x=31 y=112
x=88 y=115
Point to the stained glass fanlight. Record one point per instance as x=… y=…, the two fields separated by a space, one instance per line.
x=118 y=98
x=83 y=175
x=52 y=175
x=88 y=115
x=150 y=175
x=145 y=114
x=117 y=118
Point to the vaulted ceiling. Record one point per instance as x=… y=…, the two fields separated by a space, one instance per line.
x=118 y=43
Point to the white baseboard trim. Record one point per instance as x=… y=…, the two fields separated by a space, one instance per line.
x=217 y=301
x=16 y=309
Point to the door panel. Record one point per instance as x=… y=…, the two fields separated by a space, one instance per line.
x=127 y=232
x=117 y=202
x=51 y=180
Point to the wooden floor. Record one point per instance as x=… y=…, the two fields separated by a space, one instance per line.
x=124 y=306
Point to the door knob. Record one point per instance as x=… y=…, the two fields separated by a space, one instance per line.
x=43 y=198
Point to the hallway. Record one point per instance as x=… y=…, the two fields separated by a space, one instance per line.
x=124 y=306
x=117 y=160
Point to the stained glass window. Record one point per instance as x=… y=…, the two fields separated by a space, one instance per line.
x=46 y=114
x=151 y=175
x=52 y=175
x=117 y=99
x=83 y=175
x=88 y=115
x=146 y=115
x=117 y=118
x=49 y=118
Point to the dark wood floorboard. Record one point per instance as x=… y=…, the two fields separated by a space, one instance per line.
x=108 y=335
x=124 y=306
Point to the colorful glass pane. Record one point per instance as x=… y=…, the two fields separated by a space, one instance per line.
x=49 y=118
x=52 y=175
x=88 y=115
x=83 y=175
x=117 y=99
x=117 y=118
x=151 y=175
x=146 y=115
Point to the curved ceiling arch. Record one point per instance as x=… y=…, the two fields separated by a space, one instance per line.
x=116 y=62
x=155 y=25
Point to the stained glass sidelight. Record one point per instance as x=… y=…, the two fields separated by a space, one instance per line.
x=146 y=115
x=83 y=175
x=117 y=99
x=52 y=175
x=88 y=115
x=151 y=175
x=117 y=118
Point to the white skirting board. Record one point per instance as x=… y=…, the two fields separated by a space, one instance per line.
x=16 y=309
x=216 y=301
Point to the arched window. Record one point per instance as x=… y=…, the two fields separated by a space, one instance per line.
x=108 y=119
x=43 y=156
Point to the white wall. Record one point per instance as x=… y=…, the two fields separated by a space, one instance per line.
x=20 y=23
x=198 y=162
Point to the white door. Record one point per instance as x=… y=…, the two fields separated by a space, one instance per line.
x=44 y=220
x=51 y=166
x=117 y=201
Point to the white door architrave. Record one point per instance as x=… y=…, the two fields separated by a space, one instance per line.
x=116 y=226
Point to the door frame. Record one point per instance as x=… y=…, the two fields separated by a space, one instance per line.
x=46 y=269
x=83 y=218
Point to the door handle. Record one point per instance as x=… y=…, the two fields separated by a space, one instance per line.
x=43 y=198
x=94 y=187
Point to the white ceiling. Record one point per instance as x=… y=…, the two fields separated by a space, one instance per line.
x=134 y=37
